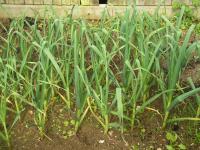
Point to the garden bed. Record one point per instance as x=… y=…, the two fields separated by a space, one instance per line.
x=127 y=82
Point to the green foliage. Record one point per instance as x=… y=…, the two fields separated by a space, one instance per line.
x=189 y=16
x=112 y=70
x=197 y=135
x=171 y=137
x=173 y=140
x=196 y=3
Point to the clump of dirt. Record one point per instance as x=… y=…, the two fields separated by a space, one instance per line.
x=192 y=71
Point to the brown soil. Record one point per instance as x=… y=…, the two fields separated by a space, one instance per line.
x=146 y=135
x=192 y=71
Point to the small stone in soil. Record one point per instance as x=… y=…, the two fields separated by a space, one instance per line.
x=101 y=141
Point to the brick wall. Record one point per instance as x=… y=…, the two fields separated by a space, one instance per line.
x=86 y=8
x=86 y=2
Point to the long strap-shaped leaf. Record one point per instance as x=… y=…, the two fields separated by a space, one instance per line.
x=193 y=87
x=182 y=97
x=55 y=64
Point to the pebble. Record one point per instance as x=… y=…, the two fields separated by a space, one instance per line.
x=30 y=112
x=101 y=141
x=151 y=147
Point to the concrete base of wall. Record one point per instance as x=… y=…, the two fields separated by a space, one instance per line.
x=87 y=12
